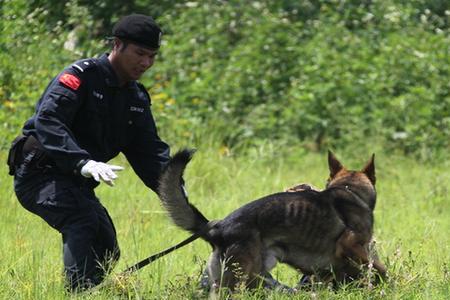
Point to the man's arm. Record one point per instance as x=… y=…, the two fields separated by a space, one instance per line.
x=54 y=116
x=148 y=154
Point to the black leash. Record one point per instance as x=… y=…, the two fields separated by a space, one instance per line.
x=154 y=257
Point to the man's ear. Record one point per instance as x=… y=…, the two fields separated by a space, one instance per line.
x=333 y=164
x=117 y=44
x=369 y=169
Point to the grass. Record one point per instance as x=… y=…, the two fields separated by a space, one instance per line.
x=412 y=229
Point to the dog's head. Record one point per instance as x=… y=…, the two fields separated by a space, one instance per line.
x=361 y=182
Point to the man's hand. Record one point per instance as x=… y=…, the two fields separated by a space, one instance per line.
x=100 y=170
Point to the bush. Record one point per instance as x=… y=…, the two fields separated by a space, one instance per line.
x=325 y=73
x=327 y=80
x=31 y=55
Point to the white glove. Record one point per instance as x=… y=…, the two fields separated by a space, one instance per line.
x=100 y=170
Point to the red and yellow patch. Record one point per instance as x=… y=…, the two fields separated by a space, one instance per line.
x=70 y=81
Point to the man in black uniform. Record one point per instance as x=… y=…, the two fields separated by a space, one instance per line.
x=90 y=112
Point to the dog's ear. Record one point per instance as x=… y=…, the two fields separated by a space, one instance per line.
x=369 y=169
x=333 y=164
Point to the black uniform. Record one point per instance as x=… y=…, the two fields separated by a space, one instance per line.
x=84 y=114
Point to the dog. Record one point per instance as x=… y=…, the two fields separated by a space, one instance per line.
x=322 y=233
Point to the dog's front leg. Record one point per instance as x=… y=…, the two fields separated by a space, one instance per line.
x=349 y=245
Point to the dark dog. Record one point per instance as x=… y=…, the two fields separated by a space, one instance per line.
x=323 y=233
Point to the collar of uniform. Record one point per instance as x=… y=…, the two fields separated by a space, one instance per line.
x=111 y=78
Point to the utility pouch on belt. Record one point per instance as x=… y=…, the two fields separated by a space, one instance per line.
x=15 y=153
x=29 y=150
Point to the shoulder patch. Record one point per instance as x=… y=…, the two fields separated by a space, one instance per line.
x=70 y=81
x=83 y=65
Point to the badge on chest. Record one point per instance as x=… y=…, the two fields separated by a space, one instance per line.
x=137 y=109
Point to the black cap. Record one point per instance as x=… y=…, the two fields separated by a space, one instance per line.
x=140 y=29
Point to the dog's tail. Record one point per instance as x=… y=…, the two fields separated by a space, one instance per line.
x=174 y=198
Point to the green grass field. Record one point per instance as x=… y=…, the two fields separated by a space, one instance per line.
x=412 y=229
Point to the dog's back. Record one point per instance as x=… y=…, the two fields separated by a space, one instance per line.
x=278 y=217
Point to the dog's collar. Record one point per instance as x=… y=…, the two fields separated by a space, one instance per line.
x=359 y=199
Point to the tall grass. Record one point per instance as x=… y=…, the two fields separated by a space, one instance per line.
x=412 y=228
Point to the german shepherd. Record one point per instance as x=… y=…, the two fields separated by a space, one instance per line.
x=323 y=233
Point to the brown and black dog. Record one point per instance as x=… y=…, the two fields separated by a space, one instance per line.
x=323 y=233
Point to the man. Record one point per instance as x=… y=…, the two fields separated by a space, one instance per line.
x=90 y=112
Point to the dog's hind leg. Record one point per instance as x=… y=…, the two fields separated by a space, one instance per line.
x=243 y=264
x=214 y=269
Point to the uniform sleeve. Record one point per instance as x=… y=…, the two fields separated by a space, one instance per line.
x=54 y=116
x=147 y=153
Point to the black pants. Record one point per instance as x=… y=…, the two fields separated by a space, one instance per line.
x=90 y=246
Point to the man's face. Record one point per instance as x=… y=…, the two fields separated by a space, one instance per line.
x=134 y=60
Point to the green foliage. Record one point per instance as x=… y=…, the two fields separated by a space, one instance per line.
x=31 y=55
x=348 y=71
x=19 y=76
x=320 y=73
